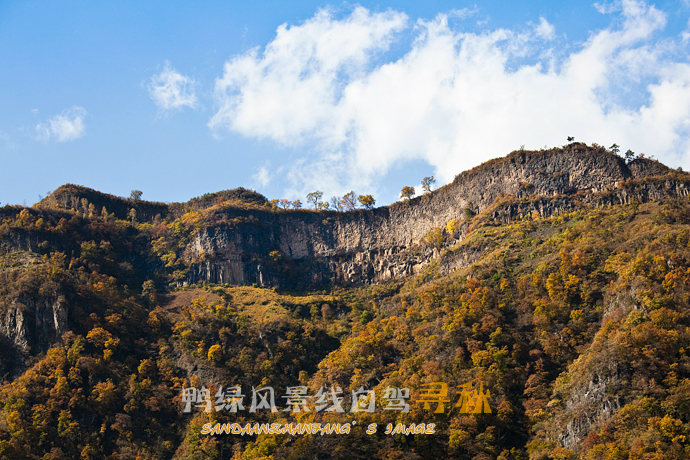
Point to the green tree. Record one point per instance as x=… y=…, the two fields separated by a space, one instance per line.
x=629 y=156
x=135 y=195
x=367 y=201
x=615 y=148
x=427 y=182
x=407 y=192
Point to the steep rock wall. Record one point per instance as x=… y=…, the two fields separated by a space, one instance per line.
x=29 y=326
x=32 y=325
x=362 y=247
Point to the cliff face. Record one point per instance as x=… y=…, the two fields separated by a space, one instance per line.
x=33 y=325
x=28 y=326
x=362 y=247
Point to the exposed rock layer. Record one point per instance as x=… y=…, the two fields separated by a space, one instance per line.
x=362 y=247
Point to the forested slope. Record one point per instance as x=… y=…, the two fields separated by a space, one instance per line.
x=569 y=311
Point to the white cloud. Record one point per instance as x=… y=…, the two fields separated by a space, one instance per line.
x=171 y=90
x=263 y=175
x=685 y=35
x=464 y=13
x=545 y=30
x=455 y=98
x=67 y=126
x=604 y=8
x=289 y=92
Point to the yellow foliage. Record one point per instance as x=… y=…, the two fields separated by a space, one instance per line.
x=458 y=438
x=215 y=353
x=434 y=236
x=451 y=226
x=99 y=336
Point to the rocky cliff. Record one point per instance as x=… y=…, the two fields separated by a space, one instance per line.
x=368 y=246
x=257 y=244
x=33 y=311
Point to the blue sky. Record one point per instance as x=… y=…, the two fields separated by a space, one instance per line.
x=179 y=99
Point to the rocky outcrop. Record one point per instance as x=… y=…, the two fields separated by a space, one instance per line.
x=32 y=325
x=640 y=191
x=599 y=380
x=592 y=402
x=29 y=326
x=368 y=246
x=21 y=240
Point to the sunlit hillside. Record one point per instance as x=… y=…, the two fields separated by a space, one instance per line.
x=535 y=324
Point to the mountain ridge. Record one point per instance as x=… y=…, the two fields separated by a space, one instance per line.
x=365 y=246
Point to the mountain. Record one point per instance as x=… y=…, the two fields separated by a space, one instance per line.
x=553 y=282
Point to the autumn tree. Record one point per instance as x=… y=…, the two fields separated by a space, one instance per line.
x=314 y=198
x=434 y=236
x=215 y=353
x=135 y=195
x=427 y=182
x=451 y=226
x=336 y=204
x=133 y=215
x=367 y=201
x=297 y=204
x=407 y=192
x=148 y=290
x=349 y=201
